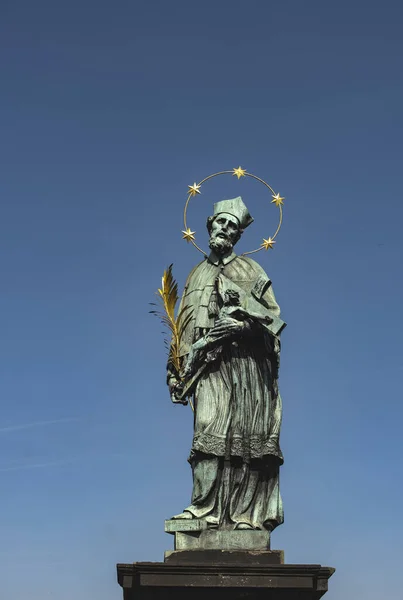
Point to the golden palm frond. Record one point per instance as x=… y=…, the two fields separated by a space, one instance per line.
x=168 y=295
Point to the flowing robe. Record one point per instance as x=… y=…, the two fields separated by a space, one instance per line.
x=235 y=454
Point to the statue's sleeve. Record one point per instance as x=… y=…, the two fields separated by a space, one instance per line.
x=262 y=292
x=268 y=298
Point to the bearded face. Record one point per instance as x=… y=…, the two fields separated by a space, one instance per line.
x=224 y=233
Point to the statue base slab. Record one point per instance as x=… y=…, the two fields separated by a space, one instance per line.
x=220 y=539
x=174 y=525
x=193 y=534
x=234 y=577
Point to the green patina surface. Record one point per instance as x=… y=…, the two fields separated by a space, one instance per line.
x=230 y=353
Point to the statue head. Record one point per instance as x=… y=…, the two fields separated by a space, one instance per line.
x=226 y=225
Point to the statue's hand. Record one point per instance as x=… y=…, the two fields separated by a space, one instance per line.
x=227 y=327
x=176 y=389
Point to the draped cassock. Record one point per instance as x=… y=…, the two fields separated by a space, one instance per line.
x=235 y=455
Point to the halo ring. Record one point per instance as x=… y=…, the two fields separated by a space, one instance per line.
x=245 y=174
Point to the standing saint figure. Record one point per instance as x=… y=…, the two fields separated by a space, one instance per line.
x=230 y=353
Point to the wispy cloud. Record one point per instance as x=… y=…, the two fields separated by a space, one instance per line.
x=36 y=424
x=65 y=461
x=39 y=465
x=32 y=564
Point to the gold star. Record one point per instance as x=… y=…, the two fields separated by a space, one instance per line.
x=194 y=189
x=269 y=243
x=239 y=172
x=277 y=200
x=188 y=235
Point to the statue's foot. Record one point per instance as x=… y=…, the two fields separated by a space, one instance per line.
x=185 y=515
x=244 y=526
x=212 y=522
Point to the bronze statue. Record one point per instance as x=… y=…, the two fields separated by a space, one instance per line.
x=225 y=358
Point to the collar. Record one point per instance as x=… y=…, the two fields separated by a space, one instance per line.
x=217 y=260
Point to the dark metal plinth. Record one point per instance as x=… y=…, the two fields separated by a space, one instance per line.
x=242 y=577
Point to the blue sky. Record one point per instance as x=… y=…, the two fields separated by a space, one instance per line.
x=108 y=111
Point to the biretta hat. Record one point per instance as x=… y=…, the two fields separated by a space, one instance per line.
x=236 y=208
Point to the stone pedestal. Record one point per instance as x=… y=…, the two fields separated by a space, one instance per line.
x=223 y=564
x=223 y=575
